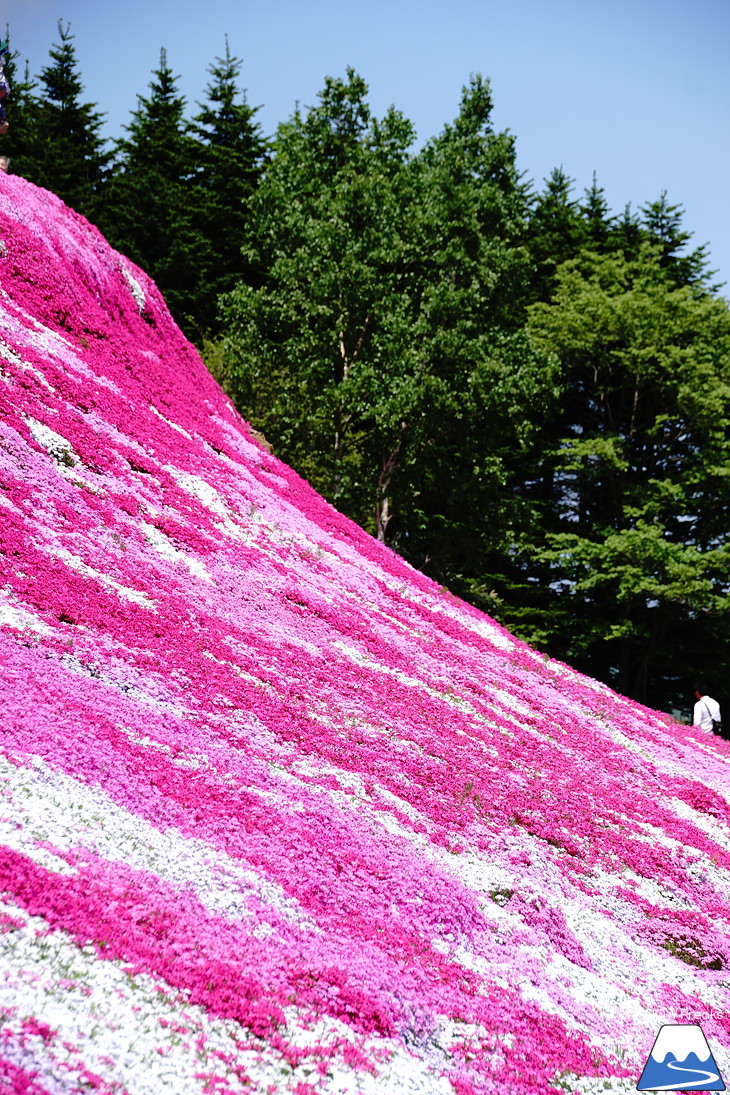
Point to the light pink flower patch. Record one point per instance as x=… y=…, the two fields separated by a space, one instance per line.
x=276 y=812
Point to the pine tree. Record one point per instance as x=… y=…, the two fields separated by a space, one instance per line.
x=595 y=213
x=66 y=150
x=150 y=203
x=629 y=234
x=663 y=222
x=556 y=231
x=19 y=142
x=231 y=156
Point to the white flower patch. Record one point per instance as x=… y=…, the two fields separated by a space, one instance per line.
x=200 y=489
x=654 y=892
x=268 y=626
x=133 y=1031
x=637 y=747
x=450 y=1034
x=101 y=425
x=400 y=1069
x=711 y=875
x=410 y=812
x=19 y=839
x=60 y=1073
x=596 y=1085
x=604 y=989
x=126 y=1030
x=509 y=707
x=134 y=287
x=396 y=827
x=43 y=804
x=714 y=827
x=554 y=979
x=54 y=444
x=211 y=499
x=510 y=704
x=172 y=425
x=657 y=967
x=540 y=961
x=81 y=567
x=170 y=553
x=251 y=678
x=305 y=766
x=195 y=762
x=17 y=616
x=46 y=342
x=449 y=606
x=483 y=628
x=652 y=834
x=360 y=657
x=14 y=358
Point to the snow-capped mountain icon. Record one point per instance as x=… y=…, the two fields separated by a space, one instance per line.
x=680 y=1060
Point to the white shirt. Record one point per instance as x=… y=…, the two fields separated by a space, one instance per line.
x=706 y=710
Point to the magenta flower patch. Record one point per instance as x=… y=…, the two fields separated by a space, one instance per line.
x=276 y=813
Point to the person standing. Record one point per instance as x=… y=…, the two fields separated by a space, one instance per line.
x=707 y=712
x=4 y=88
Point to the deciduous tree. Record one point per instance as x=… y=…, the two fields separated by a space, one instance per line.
x=634 y=542
x=383 y=354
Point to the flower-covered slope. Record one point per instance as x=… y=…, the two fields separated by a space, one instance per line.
x=277 y=813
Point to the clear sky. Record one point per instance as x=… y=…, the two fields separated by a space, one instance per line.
x=636 y=90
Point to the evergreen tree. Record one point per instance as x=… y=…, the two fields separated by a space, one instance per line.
x=61 y=147
x=20 y=139
x=231 y=156
x=629 y=234
x=595 y=213
x=556 y=231
x=663 y=224
x=150 y=212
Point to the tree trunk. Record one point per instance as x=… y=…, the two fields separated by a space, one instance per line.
x=388 y=465
x=341 y=372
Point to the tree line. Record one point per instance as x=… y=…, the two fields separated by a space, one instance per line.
x=519 y=390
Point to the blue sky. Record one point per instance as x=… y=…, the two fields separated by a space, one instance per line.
x=638 y=92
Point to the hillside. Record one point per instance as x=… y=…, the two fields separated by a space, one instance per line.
x=278 y=814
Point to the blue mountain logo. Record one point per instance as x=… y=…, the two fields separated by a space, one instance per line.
x=680 y=1060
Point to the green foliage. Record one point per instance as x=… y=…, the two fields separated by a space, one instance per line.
x=689 y=950
x=383 y=354
x=325 y=233
x=556 y=231
x=560 y=228
x=633 y=490
x=663 y=222
x=177 y=200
